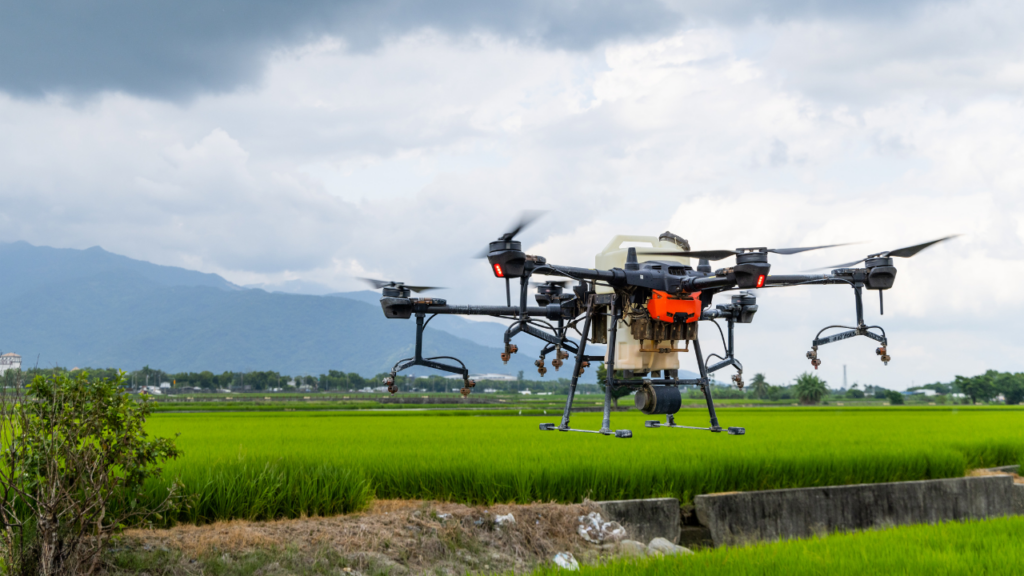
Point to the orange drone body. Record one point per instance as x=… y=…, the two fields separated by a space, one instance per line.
x=664 y=306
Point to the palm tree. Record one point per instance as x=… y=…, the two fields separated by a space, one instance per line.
x=760 y=386
x=810 y=389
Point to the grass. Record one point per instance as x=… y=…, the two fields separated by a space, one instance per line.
x=272 y=465
x=977 y=547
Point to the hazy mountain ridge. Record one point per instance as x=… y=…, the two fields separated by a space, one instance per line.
x=28 y=267
x=91 y=307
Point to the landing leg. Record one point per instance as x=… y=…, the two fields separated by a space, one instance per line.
x=606 y=421
x=580 y=356
x=706 y=386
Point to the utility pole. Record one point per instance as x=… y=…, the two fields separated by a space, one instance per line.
x=844 y=375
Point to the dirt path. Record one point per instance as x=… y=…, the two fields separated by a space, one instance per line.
x=393 y=537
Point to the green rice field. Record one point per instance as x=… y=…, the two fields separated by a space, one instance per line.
x=269 y=465
x=977 y=547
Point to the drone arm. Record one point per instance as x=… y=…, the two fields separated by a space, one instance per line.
x=790 y=279
x=708 y=283
x=486 y=310
x=614 y=276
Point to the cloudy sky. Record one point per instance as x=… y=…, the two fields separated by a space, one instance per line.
x=322 y=140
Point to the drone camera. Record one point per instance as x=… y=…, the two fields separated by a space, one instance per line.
x=658 y=399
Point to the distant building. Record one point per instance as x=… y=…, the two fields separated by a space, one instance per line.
x=9 y=361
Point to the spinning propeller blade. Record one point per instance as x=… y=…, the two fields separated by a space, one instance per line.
x=424 y=288
x=526 y=218
x=720 y=254
x=378 y=284
x=898 y=253
x=911 y=250
x=798 y=250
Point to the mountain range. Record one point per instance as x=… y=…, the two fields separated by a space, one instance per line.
x=90 y=307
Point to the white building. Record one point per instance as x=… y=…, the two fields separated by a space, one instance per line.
x=9 y=361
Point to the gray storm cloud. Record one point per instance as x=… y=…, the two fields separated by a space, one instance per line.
x=177 y=49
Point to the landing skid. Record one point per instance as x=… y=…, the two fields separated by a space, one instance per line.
x=732 y=430
x=617 y=433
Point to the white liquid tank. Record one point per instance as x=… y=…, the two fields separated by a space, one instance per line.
x=627 y=349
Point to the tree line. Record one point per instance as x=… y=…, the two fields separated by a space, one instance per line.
x=331 y=381
x=807 y=388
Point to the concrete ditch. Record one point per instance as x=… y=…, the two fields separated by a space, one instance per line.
x=738 y=518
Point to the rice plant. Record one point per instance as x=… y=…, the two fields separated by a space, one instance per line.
x=293 y=464
x=975 y=547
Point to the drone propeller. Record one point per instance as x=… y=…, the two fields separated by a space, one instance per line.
x=526 y=218
x=720 y=254
x=378 y=284
x=898 y=253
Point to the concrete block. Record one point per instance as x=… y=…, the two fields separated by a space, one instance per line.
x=1013 y=468
x=743 y=517
x=645 y=519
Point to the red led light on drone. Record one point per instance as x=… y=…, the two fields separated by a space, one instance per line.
x=760 y=281
x=498 y=271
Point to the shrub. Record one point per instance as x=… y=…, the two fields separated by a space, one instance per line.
x=73 y=471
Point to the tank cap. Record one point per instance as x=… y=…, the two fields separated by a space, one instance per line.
x=667 y=236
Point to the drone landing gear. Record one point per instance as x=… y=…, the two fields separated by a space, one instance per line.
x=611 y=382
x=419 y=360
x=705 y=386
x=860 y=330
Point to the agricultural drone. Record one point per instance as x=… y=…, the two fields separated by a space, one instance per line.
x=645 y=303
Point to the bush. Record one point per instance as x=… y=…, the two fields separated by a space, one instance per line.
x=895 y=398
x=73 y=472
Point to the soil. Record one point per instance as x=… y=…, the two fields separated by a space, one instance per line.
x=392 y=537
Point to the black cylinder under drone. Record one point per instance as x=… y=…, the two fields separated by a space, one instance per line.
x=658 y=399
